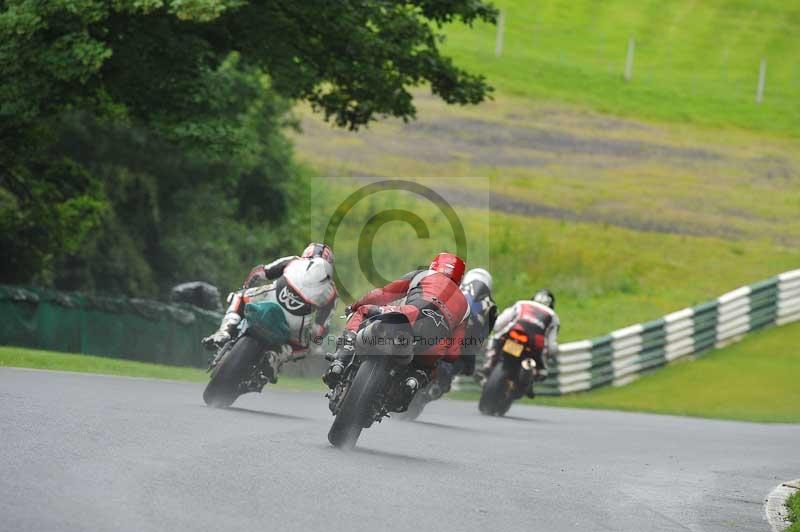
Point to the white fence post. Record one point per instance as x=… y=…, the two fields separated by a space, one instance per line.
x=501 y=27
x=762 y=75
x=629 y=59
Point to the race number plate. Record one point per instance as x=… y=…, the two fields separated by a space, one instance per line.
x=513 y=348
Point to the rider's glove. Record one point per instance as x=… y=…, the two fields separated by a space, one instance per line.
x=216 y=340
x=318 y=333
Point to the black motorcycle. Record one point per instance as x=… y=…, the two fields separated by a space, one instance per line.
x=372 y=384
x=243 y=364
x=511 y=378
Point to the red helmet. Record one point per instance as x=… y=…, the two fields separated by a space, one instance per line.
x=450 y=265
x=315 y=249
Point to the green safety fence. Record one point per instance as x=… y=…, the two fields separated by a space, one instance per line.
x=135 y=329
x=623 y=355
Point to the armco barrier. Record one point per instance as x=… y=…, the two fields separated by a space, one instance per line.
x=621 y=356
x=135 y=329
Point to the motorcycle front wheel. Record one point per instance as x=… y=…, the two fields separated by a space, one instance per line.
x=356 y=408
x=223 y=388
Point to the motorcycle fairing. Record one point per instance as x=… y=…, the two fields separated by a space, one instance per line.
x=267 y=321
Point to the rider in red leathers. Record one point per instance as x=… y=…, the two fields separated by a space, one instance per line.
x=435 y=308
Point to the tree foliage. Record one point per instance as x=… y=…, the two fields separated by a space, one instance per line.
x=141 y=141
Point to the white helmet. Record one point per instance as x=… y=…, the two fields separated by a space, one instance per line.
x=478 y=274
x=312 y=279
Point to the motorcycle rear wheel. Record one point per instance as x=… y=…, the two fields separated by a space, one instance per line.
x=223 y=388
x=495 y=399
x=355 y=411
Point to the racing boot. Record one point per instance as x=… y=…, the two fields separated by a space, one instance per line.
x=274 y=361
x=482 y=373
x=530 y=393
x=345 y=347
x=416 y=381
x=223 y=335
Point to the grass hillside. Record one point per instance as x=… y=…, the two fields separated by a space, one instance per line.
x=605 y=276
x=567 y=138
x=695 y=61
x=20 y=357
x=629 y=199
x=558 y=161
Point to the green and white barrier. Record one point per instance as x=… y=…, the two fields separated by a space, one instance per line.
x=622 y=355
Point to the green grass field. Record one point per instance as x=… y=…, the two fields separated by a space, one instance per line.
x=694 y=61
x=51 y=360
x=793 y=504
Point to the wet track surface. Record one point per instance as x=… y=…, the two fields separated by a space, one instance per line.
x=87 y=452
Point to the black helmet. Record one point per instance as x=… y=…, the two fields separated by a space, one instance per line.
x=545 y=297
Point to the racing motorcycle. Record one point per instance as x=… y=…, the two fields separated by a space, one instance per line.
x=512 y=376
x=273 y=314
x=245 y=363
x=372 y=383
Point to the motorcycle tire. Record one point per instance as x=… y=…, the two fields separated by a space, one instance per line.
x=354 y=412
x=495 y=399
x=223 y=388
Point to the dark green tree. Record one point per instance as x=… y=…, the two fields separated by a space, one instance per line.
x=123 y=123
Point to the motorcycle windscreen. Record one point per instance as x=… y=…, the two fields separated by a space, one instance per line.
x=267 y=322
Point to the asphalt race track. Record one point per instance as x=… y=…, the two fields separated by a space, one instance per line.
x=96 y=453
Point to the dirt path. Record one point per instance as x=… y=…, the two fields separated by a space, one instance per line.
x=561 y=162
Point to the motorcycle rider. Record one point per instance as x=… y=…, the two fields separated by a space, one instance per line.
x=266 y=273
x=477 y=288
x=435 y=308
x=538 y=316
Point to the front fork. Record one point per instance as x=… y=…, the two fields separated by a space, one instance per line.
x=397 y=375
x=257 y=380
x=216 y=357
x=336 y=394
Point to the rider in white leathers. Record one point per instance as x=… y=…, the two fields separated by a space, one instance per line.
x=304 y=289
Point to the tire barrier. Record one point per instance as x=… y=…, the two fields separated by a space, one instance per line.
x=621 y=356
